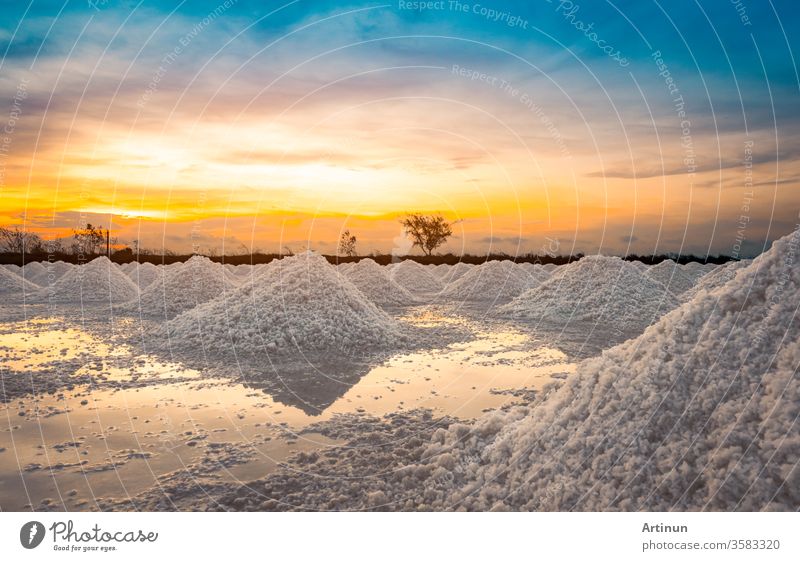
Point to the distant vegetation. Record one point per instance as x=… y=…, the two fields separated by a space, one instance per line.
x=19 y=247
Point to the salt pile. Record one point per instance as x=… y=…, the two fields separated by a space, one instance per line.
x=180 y=288
x=234 y=278
x=451 y=273
x=238 y=274
x=243 y=271
x=45 y=273
x=718 y=277
x=100 y=280
x=57 y=270
x=374 y=282
x=345 y=266
x=144 y=274
x=493 y=280
x=299 y=305
x=439 y=271
x=414 y=277
x=537 y=273
x=35 y=272
x=697 y=270
x=671 y=275
x=698 y=413
x=596 y=289
x=12 y=283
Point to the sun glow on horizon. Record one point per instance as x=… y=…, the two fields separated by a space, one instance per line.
x=354 y=124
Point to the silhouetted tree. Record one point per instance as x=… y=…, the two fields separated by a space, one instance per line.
x=427 y=232
x=347 y=244
x=14 y=240
x=88 y=240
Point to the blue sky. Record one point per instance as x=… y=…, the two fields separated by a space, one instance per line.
x=331 y=109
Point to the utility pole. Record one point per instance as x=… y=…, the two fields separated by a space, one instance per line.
x=108 y=245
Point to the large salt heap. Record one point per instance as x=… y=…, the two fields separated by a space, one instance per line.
x=45 y=273
x=597 y=289
x=13 y=283
x=99 y=281
x=374 y=282
x=57 y=270
x=239 y=274
x=671 y=275
x=698 y=413
x=493 y=280
x=182 y=287
x=144 y=274
x=415 y=278
x=35 y=272
x=537 y=273
x=299 y=306
x=696 y=270
x=451 y=273
x=243 y=271
x=719 y=276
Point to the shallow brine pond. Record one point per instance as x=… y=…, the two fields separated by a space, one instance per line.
x=139 y=421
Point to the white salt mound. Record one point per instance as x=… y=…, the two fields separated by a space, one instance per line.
x=300 y=305
x=415 y=278
x=35 y=272
x=596 y=289
x=181 y=288
x=45 y=273
x=493 y=280
x=719 y=276
x=57 y=270
x=231 y=276
x=671 y=275
x=697 y=270
x=144 y=274
x=239 y=274
x=243 y=270
x=450 y=273
x=12 y=283
x=100 y=280
x=537 y=273
x=698 y=413
x=440 y=271
x=374 y=282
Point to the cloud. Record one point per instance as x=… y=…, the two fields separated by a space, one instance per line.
x=645 y=171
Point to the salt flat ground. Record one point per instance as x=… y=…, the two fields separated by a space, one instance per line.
x=299 y=385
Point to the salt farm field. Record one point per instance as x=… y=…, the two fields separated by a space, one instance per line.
x=301 y=385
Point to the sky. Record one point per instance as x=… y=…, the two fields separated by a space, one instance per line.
x=535 y=126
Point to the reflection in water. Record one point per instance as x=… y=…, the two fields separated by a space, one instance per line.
x=37 y=342
x=142 y=420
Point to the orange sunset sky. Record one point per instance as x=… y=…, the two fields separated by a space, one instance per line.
x=275 y=127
